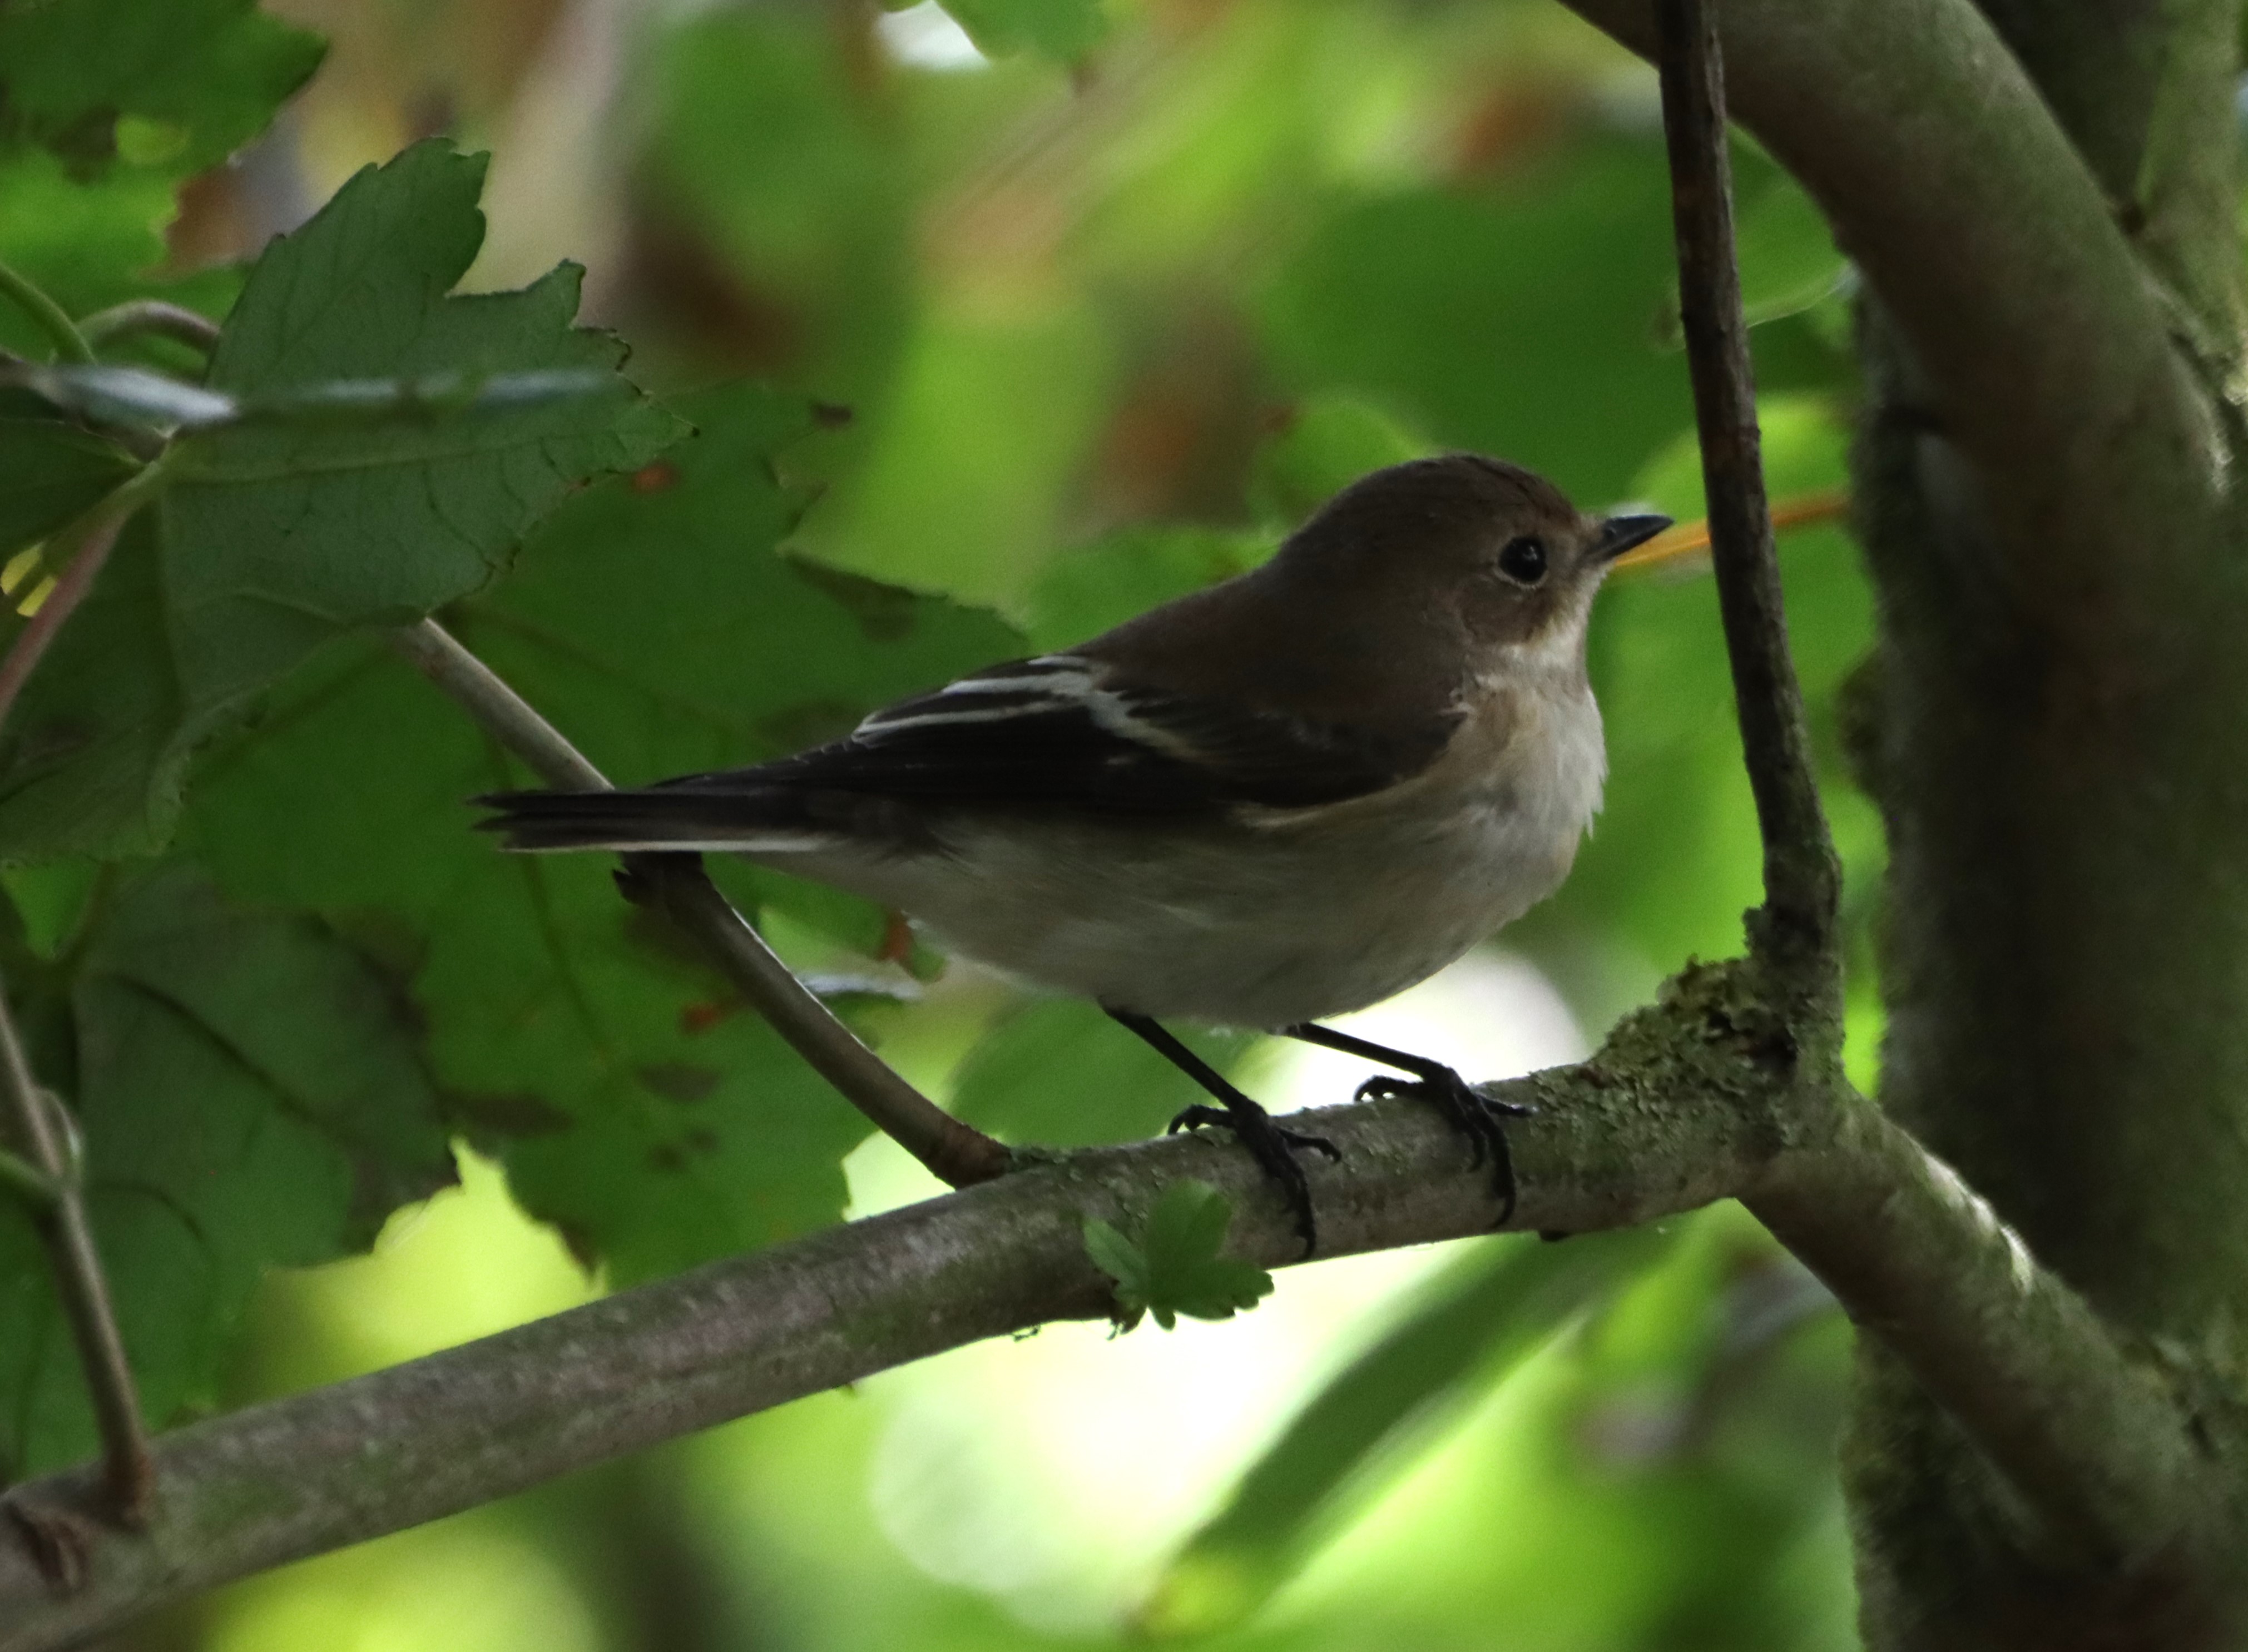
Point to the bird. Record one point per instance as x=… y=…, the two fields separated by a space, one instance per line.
x=1285 y=797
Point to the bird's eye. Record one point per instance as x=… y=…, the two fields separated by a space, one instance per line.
x=1523 y=558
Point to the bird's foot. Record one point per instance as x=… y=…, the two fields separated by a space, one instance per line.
x=1274 y=1147
x=1471 y=1113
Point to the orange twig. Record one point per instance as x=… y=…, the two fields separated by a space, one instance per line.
x=1825 y=504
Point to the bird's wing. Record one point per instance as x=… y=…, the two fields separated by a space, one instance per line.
x=1065 y=732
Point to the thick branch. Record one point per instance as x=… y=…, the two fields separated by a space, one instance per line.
x=1689 y=1102
x=1983 y=233
x=1802 y=879
x=2092 y=1441
x=678 y=885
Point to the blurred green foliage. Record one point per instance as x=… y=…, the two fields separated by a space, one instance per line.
x=955 y=355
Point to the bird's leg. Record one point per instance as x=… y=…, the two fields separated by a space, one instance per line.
x=1474 y=1115
x=1273 y=1146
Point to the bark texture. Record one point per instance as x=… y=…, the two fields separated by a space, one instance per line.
x=2053 y=724
x=2066 y=927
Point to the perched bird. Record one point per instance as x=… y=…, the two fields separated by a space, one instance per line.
x=1288 y=796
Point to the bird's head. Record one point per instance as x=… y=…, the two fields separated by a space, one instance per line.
x=1495 y=554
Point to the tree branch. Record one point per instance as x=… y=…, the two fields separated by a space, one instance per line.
x=1982 y=232
x=1688 y=1101
x=677 y=884
x=1861 y=1210
x=2096 y=1442
x=1802 y=879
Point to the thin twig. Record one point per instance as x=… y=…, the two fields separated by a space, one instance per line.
x=53 y=319
x=1798 y=510
x=94 y=535
x=677 y=884
x=149 y=315
x=1802 y=878
x=128 y=1472
x=79 y=1282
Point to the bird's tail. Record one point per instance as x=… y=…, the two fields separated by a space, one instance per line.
x=750 y=819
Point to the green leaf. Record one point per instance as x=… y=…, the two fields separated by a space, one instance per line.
x=1469 y=1327
x=1788 y=258
x=271 y=540
x=1329 y=442
x=1059 y=1072
x=1122 y=1261
x=1515 y=320
x=1176 y=1267
x=1085 y=590
x=84 y=244
x=252 y=1096
x=178 y=85
x=1675 y=860
x=1062 y=29
x=49 y=471
x=635 y=1104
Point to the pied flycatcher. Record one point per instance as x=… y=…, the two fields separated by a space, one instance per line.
x=1286 y=796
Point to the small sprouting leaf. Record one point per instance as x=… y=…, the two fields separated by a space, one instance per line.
x=1125 y=1262
x=1176 y=1267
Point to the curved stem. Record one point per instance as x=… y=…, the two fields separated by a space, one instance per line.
x=129 y=1471
x=93 y=536
x=149 y=315
x=677 y=883
x=52 y=319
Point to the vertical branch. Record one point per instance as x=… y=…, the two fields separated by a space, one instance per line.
x=78 y=1283
x=677 y=884
x=1801 y=877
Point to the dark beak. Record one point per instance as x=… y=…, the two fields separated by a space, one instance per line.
x=1619 y=534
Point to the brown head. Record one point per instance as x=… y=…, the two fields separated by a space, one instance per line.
x=1499 y=547
x=1406 y=587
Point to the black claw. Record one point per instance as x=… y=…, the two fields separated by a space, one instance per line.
x=1274 y=1148
x=1471 y=1113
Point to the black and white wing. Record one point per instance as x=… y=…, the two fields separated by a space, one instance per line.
x=1060 y=733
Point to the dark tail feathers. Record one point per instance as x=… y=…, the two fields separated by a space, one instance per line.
x=655 y=819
